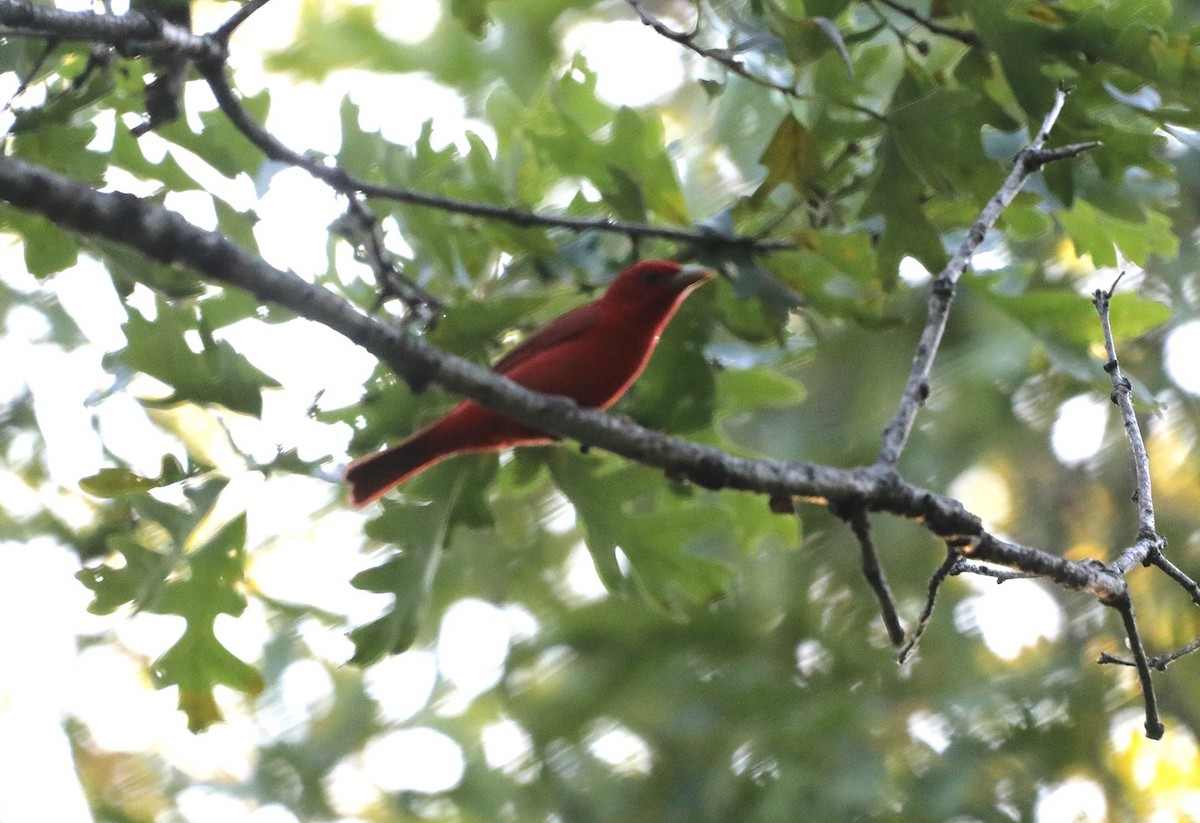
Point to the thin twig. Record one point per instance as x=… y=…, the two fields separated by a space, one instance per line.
x=731 y=63
x=1089 y=576
x=223 y=32
x=1000 y=575
x=856 y=516
x=966 y=37
x=935 y=584
x=1175 y=573
x=23 y=86
x=341 y=181
x=1121 y=395
x=1028 y=160
x=1148 y=550
x=1158 y=662
x=365 y=234
x=1124 y=605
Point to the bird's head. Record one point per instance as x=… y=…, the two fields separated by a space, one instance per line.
x=656 y=283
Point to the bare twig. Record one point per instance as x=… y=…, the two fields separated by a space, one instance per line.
x=1090 y=576
x=1124 y=605
x=732 y=64
x=1000 y=575
x=1175 y=573
x=364 y=232
x=224 y=31
x=1158 y=662
x=968 y=38
x=856 y=516
x=23 y=86
x=1028 y=160
x=935 y=584
x=1121 y=395
x=1149 y=545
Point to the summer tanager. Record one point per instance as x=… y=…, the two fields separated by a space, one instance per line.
x=590 y=354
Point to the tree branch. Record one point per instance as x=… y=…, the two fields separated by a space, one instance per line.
x=1159 y=662
x=1122 y=392
x=1028 y=161
x=872 y=569
x=1000 y=575
x=361 y=228
x=731 y=63
x=1153 y=725
x=223 y=32
x=968 y=38
x=1172 y=571
x=133 y=32
x=165 y=236
x=935 y=584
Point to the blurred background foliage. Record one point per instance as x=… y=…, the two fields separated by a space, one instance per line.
x=733 y=667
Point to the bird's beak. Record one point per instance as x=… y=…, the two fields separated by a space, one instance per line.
x=691 y=276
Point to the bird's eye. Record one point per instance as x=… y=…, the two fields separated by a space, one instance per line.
x=654 y=276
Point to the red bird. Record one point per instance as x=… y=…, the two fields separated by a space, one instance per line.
x=591 y=354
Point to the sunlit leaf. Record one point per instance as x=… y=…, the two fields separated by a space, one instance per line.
x=114 y=482
x=216 y=374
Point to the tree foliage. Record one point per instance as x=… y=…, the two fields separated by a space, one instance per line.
x=825 y=156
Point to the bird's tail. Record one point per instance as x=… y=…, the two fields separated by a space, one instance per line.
x=373 y=476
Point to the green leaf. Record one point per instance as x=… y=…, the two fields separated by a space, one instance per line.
x=127 y=154
x=141 y=577
x=114 y=482
x=48 y=249
x=128 y=267
x=851 y=254
x=67 y=105
x=792 y=157
x=388 y=411
x=63 y=148
x=678 y=553
x=1065 y=316
x=332 y=37
x=899 y=193
x=676 y=393
x=631 y=169
x=805 y=39
x=215 y=374
x=419 y=530
x=197 y=662
x=218 y=142
x=741 y=390
x=138 y=580
x=1099 y=234
x=472 y=328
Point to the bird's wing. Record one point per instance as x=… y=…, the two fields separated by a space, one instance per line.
x=567 y=327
